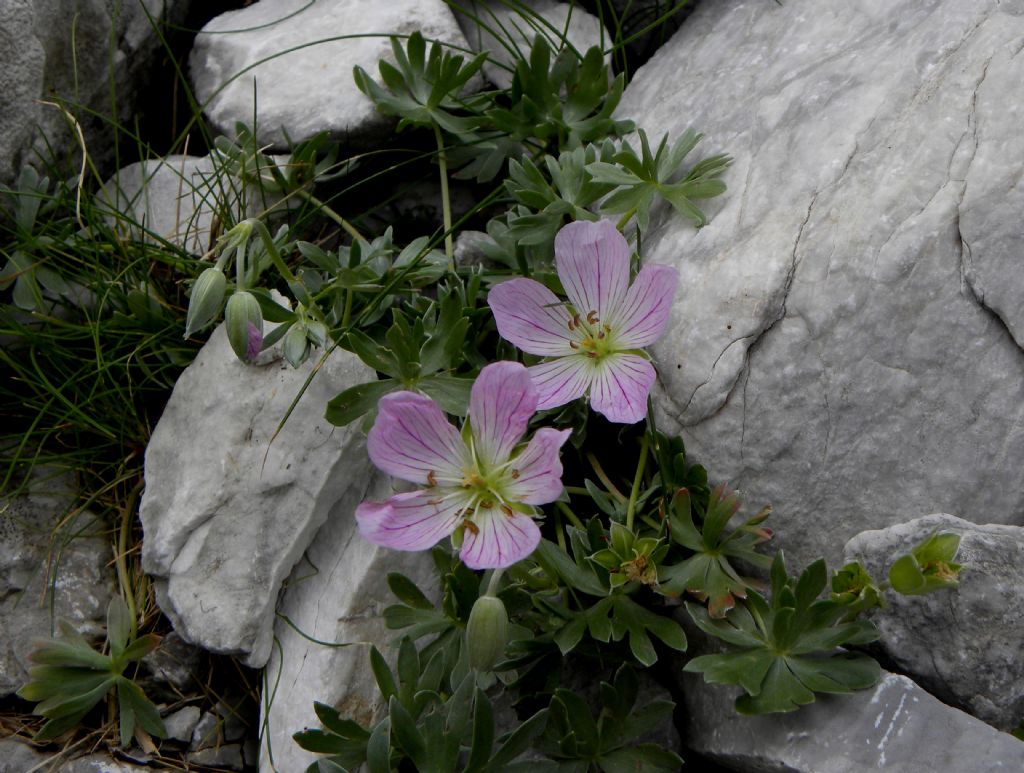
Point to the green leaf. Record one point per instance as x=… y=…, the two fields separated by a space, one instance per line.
x=130 y=695
x=357 y=401
x=407 y=591
x=378 y=748
x=382 y=674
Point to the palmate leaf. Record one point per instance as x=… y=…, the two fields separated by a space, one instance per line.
x=641 y=178
x=787 y=649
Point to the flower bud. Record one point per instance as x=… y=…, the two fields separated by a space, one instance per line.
x=486 y=632
x=244 y=322
x=206 y=300
x=296 y=345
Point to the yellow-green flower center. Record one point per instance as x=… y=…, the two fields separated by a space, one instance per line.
x=595 y=339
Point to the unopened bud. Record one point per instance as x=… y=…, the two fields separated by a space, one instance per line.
x=244 y=322
x=296 y=345
x=486 y=632
x=206 y=300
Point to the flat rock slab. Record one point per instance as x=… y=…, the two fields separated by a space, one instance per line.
x=963 y=644
x=72 y=574
x=336 y=595
x=300 y=56
x=896 y=727
x=830 y=351
x=226 y=514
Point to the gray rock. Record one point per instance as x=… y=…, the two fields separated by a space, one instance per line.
x=896 y=727
x=173 y=667
x=100 y=763
x=72 y=50
x=507 y=34
x=206 y=734
x=40 y=567
x=229 y=756
x=305 y=84
x=181 y=199
x=182 y=723
x=336 y=594
x=825 y=353
x=17 y=755
x=226 y=514
x=963 y=644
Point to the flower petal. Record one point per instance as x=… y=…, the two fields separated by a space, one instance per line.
x=412 y=440
x=561 y=381
x=500 y=406
x=412 y=521
x=592 y=260
x=499 y=540
x=530 y=316
x=537 y=470
x=641 y=318
x=621 y=385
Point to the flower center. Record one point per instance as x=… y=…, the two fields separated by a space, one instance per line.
x=486 y=492
x=595 y=337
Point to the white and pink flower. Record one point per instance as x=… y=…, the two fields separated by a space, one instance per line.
x=483 y=480
x=593 y=342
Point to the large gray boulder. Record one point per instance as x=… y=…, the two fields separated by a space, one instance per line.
x=335 y=596
x=72 y=51
x=48 y=574
x=227 y=513
x=963 y=644
x=896 y=727
x=844 y=337
x=295 y=59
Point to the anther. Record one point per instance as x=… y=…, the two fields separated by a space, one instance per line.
x=592 y=317
x=572 y=325
x=515 y=474
x=508 y=511
x=471 y=526
x=592 y=355
x=576 y=320
x=431 y=480
x=487 y=504
x=574 y=345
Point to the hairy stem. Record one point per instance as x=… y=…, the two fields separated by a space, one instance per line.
x=446 y=205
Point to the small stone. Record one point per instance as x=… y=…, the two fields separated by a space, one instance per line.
x=228 y=756
x=233 y=726
x=182 y=723
x=964 y=643
x=174 y=664
x=207 y=733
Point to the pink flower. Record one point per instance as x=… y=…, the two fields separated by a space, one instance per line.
x=481 y=480
x=593 y=343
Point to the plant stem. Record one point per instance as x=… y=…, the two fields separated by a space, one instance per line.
x=446 y=205
x=570 y=515
x=637 y=480
x=624 y=220
x=579 y=490
x=492 y=586
x=347 y=226
x=604 y=478
x=559 y=533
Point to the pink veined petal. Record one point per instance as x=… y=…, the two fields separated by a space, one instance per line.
x=410 y=521
x=641 y=318
x=501 y=403
x=499 y=540
x=561 y=381
x=530 y=316
x=538 y=470
x=592 y=260
x=412 y=440
x=621 y=386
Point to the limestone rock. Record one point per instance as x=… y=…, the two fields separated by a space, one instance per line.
x=896 y=727
x=305 y=84
x=182 y=723
x=826 y=354
x=336 y=594
x=72 y=50
x=79 y=578
x=963 y=644
x=226 y=514
x=179 y=199
x=508 y=33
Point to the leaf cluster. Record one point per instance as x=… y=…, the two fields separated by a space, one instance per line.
x=785 y=650
x=70 y=678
